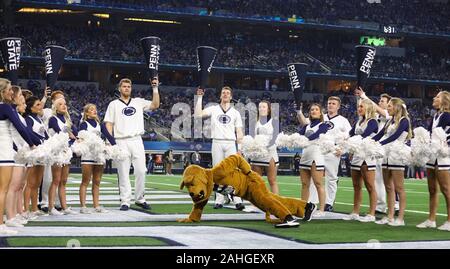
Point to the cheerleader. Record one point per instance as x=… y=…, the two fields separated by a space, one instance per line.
x=398 y=130
x=47 y=179
x=363 y=169
x=438 y=167
x=265 y=126
x=60 y=122
x=90 y=167
x=34 y=112
x=312 y=160
x=8 y=116
x=14 y=197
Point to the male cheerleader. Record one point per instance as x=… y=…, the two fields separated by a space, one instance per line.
x=124 y=118
x=226 y=131
x=336 y=124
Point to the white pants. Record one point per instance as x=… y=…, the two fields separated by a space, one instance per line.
x=331 y=181
x=135 y=147
x=221 y=149
x=331 y=177
x=46 y=182
x=379 y=187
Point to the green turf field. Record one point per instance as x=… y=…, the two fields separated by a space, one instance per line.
x=316 y=231
x=95 y=241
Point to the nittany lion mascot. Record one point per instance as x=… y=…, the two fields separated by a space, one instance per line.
x=235 y=173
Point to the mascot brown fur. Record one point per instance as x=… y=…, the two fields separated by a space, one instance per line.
x=236 y=172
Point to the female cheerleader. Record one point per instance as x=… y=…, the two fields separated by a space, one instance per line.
x=14 y=197
x=8 y=116
x=363 y=169
x=90 y=167
x=36 y=126
x=438 y=167
x=60 y=122
x=397 y=129
x=312 y=160
x=265 y=126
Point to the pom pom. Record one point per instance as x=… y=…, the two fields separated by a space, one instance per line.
x=283 y=141
x=353 y=144
x=421 y=150
x=116 y=153
x=326 y=143
x=439 y=145
x=371 y=149
x=399 y=151
x=255 y=148
x=299 y=141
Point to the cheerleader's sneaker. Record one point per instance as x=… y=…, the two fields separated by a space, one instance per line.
x=352 y=216
x=55 y=212
x=367 y=218
x=101 y=209
x=29 y=216
x=397 y=222
x=384 y=220
x=85 y=210
x=445 y=226
x=13 y=223
x=427 y=224
x=40 y=213
x=19 y=218
x=69 y=211
x=319 y=214
x=5 y=231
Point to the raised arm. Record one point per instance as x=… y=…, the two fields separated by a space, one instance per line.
x=198 y=111
x=155 y=99
x=301 y=117
x=380 y=111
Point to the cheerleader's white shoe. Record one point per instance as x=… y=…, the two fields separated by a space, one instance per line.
x=427 y=224
x=445 y=226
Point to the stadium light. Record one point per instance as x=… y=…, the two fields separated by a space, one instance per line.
x=101 y=15
x=44 y=10
x=153 y=21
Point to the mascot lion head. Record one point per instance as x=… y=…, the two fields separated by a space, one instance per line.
x=198 y=182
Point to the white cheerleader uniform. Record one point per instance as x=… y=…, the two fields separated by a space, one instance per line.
x=90 y=158
x=266 y=130
x=358 y=161
x=18 y=141
x=441 y=162
x=389 y=163
x=65 y=129
x=312 y=154
x=6 y=144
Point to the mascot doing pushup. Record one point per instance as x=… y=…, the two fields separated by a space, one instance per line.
x=236 y=172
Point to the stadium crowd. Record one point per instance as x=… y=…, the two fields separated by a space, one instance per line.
x=235 y=50
x=432 y=18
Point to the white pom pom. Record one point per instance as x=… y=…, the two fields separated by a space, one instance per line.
x=439 y=145
x=340 y=137
x=421 y=150
x=399 y=151
x=80 y=148
x=299 y=141
x=371 y=149
x=116 y=153
x=326 y=143
x=255 y=148
x=353 y=145
x=283 y=141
